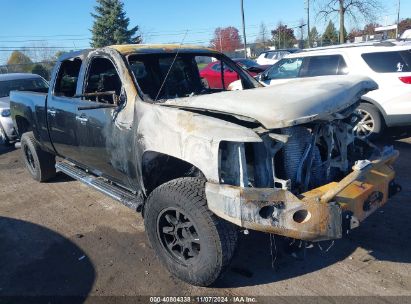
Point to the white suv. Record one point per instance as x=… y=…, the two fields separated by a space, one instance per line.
x=388 y=64
x=273 y=56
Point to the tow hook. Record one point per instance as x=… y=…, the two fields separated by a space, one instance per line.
x=393 y=189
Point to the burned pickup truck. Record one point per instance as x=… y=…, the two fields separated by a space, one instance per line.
x=138 y=123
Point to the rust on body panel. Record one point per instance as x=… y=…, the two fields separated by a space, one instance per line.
x=304 y=217
x=246 y=208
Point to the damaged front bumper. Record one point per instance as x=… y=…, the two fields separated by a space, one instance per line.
x=324 y=213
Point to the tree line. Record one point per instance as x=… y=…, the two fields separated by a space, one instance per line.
x=112 y=26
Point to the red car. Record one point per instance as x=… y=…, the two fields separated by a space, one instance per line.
x=212 y=72
x=251 y=66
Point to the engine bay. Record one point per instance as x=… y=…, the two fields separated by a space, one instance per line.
x=297 y=158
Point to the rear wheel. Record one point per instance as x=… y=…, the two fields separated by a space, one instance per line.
x=40 y=164
x=195 y=245
x=3 y=137
x=371 y=123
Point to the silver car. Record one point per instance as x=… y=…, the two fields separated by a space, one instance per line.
x=15 y=82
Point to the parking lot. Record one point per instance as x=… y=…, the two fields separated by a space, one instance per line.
x=62 y=238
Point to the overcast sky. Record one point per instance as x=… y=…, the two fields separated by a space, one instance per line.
x=62 y=23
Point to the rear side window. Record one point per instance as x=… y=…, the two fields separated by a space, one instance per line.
x=66 y=82
x=389 y=62
x=324 y=65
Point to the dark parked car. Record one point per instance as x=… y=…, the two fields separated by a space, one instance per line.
x=8 y=83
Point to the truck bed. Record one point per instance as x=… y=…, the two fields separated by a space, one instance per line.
x=32 y=107
x=27 y=98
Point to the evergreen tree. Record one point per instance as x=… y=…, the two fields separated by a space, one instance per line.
x=111 y=25
x=330 y=35
x=314 y=37
x=19 y=62
x=39 y=69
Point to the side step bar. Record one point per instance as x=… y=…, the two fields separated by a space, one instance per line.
x=115 y=192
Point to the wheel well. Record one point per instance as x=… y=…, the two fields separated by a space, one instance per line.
x=159 y=168
x=382 y=112
x=23 y=125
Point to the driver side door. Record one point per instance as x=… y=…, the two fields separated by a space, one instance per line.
x=96 y=128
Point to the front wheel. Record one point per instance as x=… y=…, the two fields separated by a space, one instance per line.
x=195 y=245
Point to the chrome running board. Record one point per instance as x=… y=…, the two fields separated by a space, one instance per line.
x=115 y=192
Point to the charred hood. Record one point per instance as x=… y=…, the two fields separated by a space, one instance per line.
x=295 y=102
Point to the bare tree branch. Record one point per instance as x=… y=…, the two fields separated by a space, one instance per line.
x=354 y=9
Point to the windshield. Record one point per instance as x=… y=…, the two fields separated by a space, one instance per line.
x=31 y=84
x=169 y=76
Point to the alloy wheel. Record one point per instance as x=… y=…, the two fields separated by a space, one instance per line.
x=365 y=127
x=178 y=235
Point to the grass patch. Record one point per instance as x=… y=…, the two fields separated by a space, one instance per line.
x=201 y=65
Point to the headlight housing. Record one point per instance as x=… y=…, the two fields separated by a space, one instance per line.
x=232 y=164
x=245 y=164
x=5 y=113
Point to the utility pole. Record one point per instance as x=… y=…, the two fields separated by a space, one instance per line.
x=245 y=39
x=301 y=27
x=398 y=18
x=308 y=23
x=279 y=38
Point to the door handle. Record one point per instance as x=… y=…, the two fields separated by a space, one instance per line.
x=82 y=119
x=52 y=112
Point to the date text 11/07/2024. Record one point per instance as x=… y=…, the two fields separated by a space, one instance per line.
x=204 y=299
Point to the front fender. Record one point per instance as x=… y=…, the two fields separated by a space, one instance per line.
x=191 y=137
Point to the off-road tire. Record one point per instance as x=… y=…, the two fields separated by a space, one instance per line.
x=39 y=163
x=379 y=124
x=218 y=237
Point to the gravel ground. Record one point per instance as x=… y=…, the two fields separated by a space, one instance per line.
x=62 y=238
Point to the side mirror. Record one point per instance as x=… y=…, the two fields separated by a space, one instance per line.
x=262 y=77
